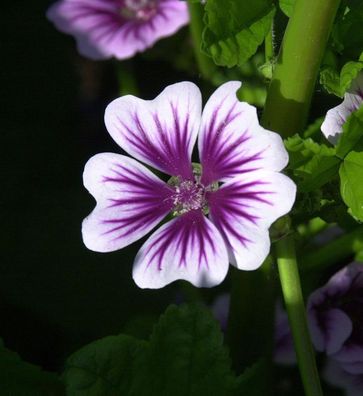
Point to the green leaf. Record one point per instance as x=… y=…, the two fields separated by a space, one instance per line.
x=235 y=29
x=351 y=186
x=352 y=136
x=348 y=73
x=330 y=80
x=314 y=164
x=20 y=378
x=105 y=367
x=187 y=355
x=250 y=384
x=287 y=6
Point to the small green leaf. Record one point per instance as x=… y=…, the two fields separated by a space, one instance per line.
x=352 y=136
x=351 y=186
x=235 y=29
x=348 y=73
x=330 y=80
x=20 y=378
x=105 y=367
x=314 y=164
x=287 y=6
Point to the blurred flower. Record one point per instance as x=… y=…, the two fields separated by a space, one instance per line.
x=117 y=28
x=335 y=375
x=220 y=309
x=335 y=314
x=335 y=118
x=238 y=185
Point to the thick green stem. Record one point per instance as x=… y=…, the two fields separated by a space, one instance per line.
x=291 y=288
x=206 y=66
x=298 y=64
x=287 y=105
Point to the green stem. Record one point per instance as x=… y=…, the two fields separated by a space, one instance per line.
x=126 y=78
x=334 y=252
x=287 y=105
x=297 y=67
x=269 y=45
x=206 y=66
x=291 y=289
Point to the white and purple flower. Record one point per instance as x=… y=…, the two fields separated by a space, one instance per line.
x=221 y=209
x=332 y=127
x=117 y=28
x=335 y=314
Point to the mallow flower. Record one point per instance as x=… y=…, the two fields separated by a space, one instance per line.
x=213 y=213
x=117 y=28
x=332 y=126
x=335 y=313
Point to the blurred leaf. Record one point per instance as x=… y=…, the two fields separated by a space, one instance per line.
x=287 y=6
x=313 y=128
x=105 y=367
x=187 y=355
x=351 y=186
x=235 y=29
x=349 y=72
x=250 y=384
x=314 y=164
x=20 y=378
x=352 y=136
x=140 y=326
x=347 y=32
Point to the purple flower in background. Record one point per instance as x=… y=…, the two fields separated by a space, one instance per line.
x=117 y=28
x=335 y=118
x=221 y=210
x=284 y=352
x=335 y=314
x=335 y=375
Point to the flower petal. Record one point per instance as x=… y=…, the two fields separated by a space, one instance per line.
x=329 y=329
x=130 y=202
x=161 y=132
x=102 y=32
x=334 y=374
x=232 y=142
x=351 y=357
x=244 y=208
x=188 y=247
x=335 y=118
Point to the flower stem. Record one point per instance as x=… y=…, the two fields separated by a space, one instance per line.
x=291 y=289
x=206 y=66
x=297 y=67
x=287 y=105
x=269 y=45
x=126 y=78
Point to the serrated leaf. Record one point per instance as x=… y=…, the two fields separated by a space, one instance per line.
x=351 y=186
x=315 y=164
x=105 y=367
x=348 y=73
x=187 y=355
x=352 y=136
x=287 y=6
x=330 y=80
x=20 y=378
x=235 y=29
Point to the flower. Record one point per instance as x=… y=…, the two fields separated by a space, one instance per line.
x=221 y=210
x=335 y=118
x=334 y=374
x=284 y=345
x=117 y=28
x=336 y=318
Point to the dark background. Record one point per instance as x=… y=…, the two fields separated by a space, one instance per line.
x=55 y=295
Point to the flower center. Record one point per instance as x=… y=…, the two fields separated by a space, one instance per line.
x=190 y=194
x=141 y=10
